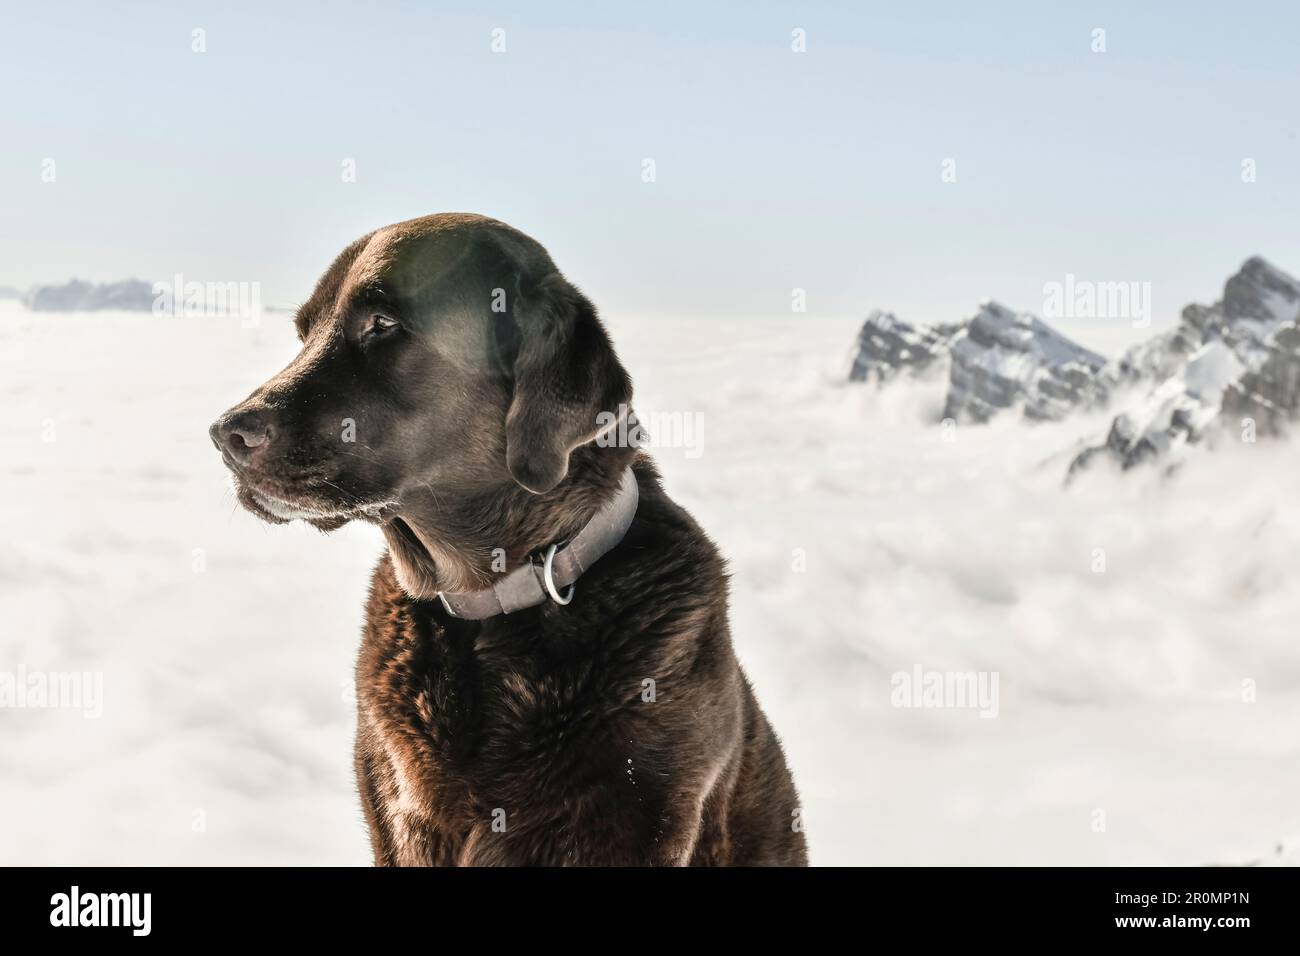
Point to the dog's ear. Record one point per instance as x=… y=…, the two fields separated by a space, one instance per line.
x=565 y=376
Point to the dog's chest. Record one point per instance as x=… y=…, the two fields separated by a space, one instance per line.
x=463 y=721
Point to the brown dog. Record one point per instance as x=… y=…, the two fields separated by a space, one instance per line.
x=451 y=388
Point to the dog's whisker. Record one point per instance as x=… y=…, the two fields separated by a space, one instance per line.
x=342 y=491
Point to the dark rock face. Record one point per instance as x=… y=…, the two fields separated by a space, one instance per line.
x=1119 y=441
x=1008 y=359
x=1232 y=355
x=1259 y=292
x=1268 y=396
x=129 y=295
x=887 y=346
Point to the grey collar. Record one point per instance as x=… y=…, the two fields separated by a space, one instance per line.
x=531 y=583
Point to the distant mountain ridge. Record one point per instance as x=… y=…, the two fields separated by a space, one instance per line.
x=1237 y=359
x=78 y=295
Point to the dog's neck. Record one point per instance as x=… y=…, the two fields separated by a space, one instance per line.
x=440 y=545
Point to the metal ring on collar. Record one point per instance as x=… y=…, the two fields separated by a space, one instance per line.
x=549 y=582
x=443 y=598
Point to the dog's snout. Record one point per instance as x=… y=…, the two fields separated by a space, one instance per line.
x=242 y=435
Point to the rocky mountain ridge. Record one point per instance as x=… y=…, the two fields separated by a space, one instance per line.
x=1235 y=362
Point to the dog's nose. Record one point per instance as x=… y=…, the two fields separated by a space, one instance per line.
x=241 y=435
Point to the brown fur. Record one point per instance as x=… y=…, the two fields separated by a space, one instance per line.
x=616 y=730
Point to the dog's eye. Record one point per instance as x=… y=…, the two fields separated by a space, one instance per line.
x=380 y=323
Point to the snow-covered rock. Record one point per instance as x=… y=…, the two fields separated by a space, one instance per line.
x=1173 y=414
x=1008 y=359
x=128 y=295
x=887 y=346
x=1268 y=396
x=997 y=359
x=1232 y=353
x=1158 y=358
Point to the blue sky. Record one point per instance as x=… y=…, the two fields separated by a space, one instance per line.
x=774 y=170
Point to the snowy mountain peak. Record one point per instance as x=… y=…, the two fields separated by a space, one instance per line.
x=1261 y=292
x=1022 y=331
x=1008 y=358
x=1235 y=357
x=887 y=346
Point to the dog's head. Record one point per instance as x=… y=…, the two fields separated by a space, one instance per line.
x=445 y=355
